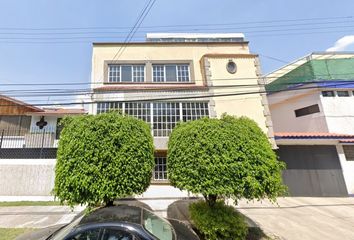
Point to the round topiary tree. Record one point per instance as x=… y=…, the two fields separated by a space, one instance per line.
x=229 y=157
x=103 y=157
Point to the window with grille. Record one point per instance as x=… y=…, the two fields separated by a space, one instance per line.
x=170 y=73
x=160 y=172
x=126 y=73
x=165 y=117
x=162 y=116
x=194 y=110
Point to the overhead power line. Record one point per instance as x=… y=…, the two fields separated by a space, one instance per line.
x=179 y=25
x=181 y=98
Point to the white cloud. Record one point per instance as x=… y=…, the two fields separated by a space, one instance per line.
x=342 y=44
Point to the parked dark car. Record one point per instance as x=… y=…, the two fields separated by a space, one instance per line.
x=120 y=222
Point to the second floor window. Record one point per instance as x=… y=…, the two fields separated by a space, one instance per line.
x=170 y=73
x=126 y=73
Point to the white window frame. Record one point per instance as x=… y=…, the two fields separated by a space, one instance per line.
x=106 y=106
x=177 y=74
x=132 y=73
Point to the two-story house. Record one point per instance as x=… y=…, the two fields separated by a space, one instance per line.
x=178 y=77
x=312 y=106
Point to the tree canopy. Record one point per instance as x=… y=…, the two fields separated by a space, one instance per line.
x=103 y=157
x=229 y=157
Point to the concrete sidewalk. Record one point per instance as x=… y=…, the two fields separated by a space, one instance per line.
x=36 y=216
x=303 y=218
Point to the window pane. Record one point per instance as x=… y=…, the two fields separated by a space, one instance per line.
x=343 y=93
x=195 y=110
x=160 y=168
x=113 y=73
x=157 y=226
x=158 y=73
x=115 y=234
x=126 y=74
x=92 y=234
x=138 y=73
x=171 y=74
x=307 y=110
x=183 y=73
x=328 y=93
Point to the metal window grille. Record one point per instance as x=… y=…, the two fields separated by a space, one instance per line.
x=138 y=110
x=163 y=116
x=194 y=110
x=160 y=172
x=103 y=107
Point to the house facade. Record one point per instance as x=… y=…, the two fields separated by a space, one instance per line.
x=178 y=77
x=311 y=103
x=28 y=144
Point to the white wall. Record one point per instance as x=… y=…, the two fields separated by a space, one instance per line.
x=339 y=113
x=348 y=169
x=283 y=105
x=51 y=123
x=31 y=178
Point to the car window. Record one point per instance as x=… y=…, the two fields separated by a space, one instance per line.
x=157 y=226
x=63 y=232
x=116 y=234
x=89 y=234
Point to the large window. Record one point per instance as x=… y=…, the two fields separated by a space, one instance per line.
x=170 y=73
x=163 y=116
x=126 y=73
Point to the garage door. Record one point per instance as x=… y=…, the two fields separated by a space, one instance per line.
x=312 y=170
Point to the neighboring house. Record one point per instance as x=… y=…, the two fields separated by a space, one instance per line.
x=178 y=77
x=312 y=106
x=28 y=144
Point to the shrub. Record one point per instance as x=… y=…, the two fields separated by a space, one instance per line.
x=229 y=157
x=218 y=222
x=103 y=157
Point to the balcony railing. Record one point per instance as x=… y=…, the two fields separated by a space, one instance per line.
x=28 y=143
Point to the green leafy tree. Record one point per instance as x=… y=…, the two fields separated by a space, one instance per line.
x=103 y=157
x=227 y=157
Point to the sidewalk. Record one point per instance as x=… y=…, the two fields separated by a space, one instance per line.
x=303 y=218
x=36 y=216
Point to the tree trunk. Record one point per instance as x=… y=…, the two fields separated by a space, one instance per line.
x=109 y=203
x=211 y=199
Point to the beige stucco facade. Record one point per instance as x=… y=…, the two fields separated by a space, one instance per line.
x=208 y=74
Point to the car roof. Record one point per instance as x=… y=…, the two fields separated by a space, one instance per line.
x=120 y=213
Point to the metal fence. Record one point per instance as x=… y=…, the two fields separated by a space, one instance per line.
x=28 y=143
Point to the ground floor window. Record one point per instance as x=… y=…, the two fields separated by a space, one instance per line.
x=160 y=171
x=162 y=116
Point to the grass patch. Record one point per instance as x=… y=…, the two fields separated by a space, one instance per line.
x=12 y=233
x=29 y=203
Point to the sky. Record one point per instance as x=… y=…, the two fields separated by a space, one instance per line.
x=47 y=41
